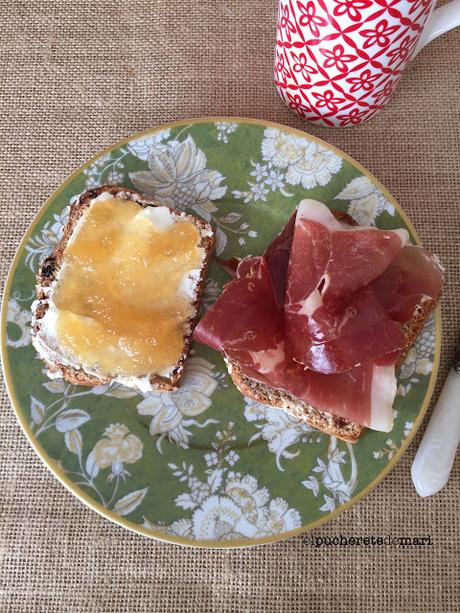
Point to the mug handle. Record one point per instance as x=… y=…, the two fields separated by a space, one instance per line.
x=441 y=20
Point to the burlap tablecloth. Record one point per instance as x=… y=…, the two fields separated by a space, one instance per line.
x=78 y=75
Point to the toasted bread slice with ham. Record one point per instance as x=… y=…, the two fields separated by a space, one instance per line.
x=322 y=420
x=119 y=308
x=356 y=310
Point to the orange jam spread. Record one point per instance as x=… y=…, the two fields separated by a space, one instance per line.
x=121 y=308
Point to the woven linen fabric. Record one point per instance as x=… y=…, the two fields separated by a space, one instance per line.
x=75 y=77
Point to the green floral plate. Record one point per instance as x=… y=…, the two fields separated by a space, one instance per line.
x=203 y=465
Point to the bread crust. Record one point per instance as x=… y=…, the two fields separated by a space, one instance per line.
x=321 y=420
x=51 y=265
x=343 y=429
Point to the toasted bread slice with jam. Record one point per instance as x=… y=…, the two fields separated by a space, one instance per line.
x=78 y=309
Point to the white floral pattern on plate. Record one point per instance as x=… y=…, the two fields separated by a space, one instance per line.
x=21 y=319
x=266 y=179
x=141 y=147
x=224 y=129
x=114 y=449
x=327 y=478
x=178 y=177
x=366 y=201
x=174 y=412
x=387 y=451
x=280 y=429
x=227 y=505
x=288 y=160
x=212 y=290
x=391 y=445
x=110 y=169
x=43 y=244
x=307 y=163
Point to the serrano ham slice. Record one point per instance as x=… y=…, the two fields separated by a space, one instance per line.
x=333 y=320
x=363 y=395
x=247 y=326
x=412 y=278
x=320 y=315
x=334 y=342
x=245 y=316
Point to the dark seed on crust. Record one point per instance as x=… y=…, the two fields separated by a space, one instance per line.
x=48 y=267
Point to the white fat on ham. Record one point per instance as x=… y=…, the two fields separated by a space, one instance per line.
x=266 y=360
x=403 y=235
x=383 y=394
x=313 y=210
x=310 y=305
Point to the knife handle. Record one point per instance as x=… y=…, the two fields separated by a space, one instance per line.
x=435 y=456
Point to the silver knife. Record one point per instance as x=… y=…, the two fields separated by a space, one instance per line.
x=434 y=459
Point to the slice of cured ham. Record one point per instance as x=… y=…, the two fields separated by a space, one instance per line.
x=333 y=320
x=414 y=276
x=245 y=316
x=364 y=394
x=247 y=325
x=336 y=297
x=277 y=258
x=335 y=342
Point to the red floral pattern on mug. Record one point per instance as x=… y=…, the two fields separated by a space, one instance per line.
x=380 y=35
x=301 y=65
x=338 y=61
x=328 y=99
x=281 y=67
x=364 y=81
x=353 y=117
x=401 y=52
x=296 y=104
x=352 y=8
x=337 y=58
x=286 y=24
x=310 y=18
x=385 y=92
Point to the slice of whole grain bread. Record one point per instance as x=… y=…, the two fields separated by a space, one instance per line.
x=322 y=420
x=49 y=271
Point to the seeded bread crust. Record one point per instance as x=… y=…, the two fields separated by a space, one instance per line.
x=343 y=429
x=321 y=420
x=49 y=270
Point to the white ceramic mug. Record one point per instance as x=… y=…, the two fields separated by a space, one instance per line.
x=337 y=62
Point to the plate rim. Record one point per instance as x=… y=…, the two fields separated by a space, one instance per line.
x=59 y=473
